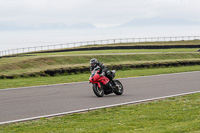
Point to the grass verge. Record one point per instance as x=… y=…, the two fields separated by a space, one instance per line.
x=24 y=82
x=117 y=51
x=24 y=65
x=172 y=115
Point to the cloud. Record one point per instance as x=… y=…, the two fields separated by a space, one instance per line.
x=101 y=13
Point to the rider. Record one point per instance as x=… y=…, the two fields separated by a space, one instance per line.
x=104 y=71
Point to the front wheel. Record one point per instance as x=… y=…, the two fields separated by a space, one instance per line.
x=99 y=92
x=119 y=88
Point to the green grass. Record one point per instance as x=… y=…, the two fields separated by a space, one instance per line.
x=173 y=43
x=24 y=82
x=173 y=115
x=192 y=42
x=20 y=65
x=118 y=51
x=178 y=114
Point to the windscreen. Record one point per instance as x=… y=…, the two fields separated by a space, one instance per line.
x=93 y=73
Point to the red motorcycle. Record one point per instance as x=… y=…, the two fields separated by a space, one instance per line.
x=102 y=85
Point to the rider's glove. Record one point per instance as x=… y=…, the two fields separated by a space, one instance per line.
x=96 y=68
x=102 y=74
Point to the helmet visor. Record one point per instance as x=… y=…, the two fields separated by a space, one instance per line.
x=92 y=64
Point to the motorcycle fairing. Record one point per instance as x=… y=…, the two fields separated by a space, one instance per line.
x=96 y=78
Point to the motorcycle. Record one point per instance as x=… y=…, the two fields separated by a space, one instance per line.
x=103 y=85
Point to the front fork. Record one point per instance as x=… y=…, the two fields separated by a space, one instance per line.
x=99 y=85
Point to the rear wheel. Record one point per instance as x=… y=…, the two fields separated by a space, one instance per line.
x=99 y=92
x=119 y=88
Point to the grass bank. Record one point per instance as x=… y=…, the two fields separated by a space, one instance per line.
x=172 y=115
x=115 y=51
x=24 y=82
x=23 y=65
x=138 y=45
x=191 y=42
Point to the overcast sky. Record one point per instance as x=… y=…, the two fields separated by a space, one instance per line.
x=100 y=13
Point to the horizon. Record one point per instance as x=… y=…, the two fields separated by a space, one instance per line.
x=42 y=22
x=87 y=14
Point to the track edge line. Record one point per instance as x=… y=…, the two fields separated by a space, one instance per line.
x=95 y=108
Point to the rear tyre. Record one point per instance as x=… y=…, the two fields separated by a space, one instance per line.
x=119 y=88
x=99 y=92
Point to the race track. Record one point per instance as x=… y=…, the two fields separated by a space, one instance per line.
x=31 y=102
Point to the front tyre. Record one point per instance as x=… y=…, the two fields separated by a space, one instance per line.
x=118 y=88
x=99 y=92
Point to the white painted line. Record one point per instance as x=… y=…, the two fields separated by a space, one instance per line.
x=88 y=81
x=43 y=86
x=170 y=74
x=95 y=108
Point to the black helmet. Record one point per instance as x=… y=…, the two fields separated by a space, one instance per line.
x=93 y=62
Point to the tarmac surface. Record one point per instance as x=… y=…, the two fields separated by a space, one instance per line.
x=21 y=103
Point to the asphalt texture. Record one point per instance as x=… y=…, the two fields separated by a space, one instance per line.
x=23 y=103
